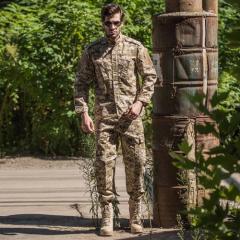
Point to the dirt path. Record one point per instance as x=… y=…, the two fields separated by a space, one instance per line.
x=48 y=199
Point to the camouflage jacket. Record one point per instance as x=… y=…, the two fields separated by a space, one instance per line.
x=115 y=71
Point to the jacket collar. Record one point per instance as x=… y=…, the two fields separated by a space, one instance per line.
x=118 y=40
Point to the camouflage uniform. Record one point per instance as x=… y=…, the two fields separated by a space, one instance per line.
x=114 y=70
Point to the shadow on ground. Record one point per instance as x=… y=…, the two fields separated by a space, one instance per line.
x=41 y=224
x=47 y=220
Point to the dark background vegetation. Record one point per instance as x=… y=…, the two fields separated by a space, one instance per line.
x=40 y=43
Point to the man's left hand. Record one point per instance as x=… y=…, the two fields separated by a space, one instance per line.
x=134 y=110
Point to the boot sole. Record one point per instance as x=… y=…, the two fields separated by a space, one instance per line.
x=105 y=234
x=135 y=231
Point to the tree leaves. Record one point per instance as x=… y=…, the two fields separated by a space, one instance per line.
x=215 y=173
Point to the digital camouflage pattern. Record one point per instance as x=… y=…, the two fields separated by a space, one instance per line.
x=116 y=70
x=110 y=133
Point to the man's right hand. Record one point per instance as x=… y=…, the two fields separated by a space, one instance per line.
x=87 y=123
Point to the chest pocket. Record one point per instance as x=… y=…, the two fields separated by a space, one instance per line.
x=123 y=67
x=102 y=70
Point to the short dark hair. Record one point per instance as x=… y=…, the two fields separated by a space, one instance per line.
x=110 y=9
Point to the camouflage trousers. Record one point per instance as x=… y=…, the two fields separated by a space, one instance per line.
x=111 y=132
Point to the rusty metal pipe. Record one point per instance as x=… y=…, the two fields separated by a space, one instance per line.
x=185 y=55
x=183 y=5
x=210 y=6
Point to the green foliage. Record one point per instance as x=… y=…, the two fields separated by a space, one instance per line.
x=229 y=31
x=229 y=84
x=217 y=218
x=229 y=47
x=40 y=43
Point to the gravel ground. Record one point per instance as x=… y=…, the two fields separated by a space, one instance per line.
x=37 y=203
x=29 y=162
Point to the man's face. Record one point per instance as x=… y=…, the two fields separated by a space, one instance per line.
x=112 y=26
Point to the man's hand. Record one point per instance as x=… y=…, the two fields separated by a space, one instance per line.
x=134 y=110
x=87 y=123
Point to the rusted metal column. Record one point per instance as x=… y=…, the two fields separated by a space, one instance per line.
x=185 y=56
x=210 y=6
x=183 y=5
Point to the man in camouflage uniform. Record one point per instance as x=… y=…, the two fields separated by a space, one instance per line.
x=113 y=64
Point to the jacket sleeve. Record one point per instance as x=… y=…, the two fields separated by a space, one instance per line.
x=84 y=78
x=148 y=73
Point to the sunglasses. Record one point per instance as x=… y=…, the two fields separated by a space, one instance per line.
x=115 y=23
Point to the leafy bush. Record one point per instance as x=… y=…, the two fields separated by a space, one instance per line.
x=40 y=43
x=219 y=216
x=39 y=50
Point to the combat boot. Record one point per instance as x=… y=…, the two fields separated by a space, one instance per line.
x=135 y=216
x=107 y=220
